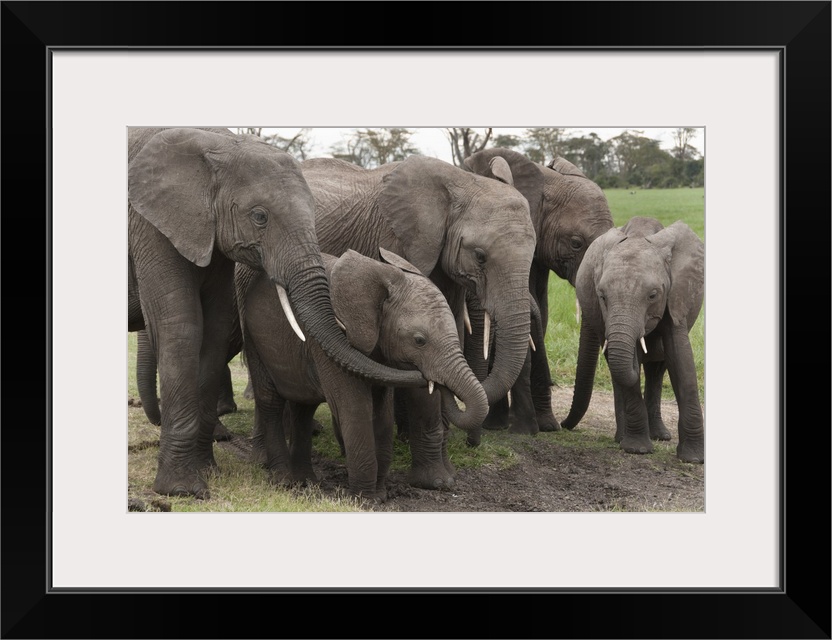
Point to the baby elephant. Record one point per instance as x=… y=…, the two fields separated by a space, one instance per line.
x=390 y=312
x=640 y=289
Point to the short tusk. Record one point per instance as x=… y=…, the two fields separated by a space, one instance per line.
x=643 y=344
x=287 y=309
x=577 y=311
x=430 y=387
x=604 y=347
x=531 y=343
x=466 y=319
x=340 y=324
x=486 y=335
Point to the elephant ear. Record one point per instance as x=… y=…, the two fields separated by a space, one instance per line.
x=416 y=202
x=527 y=178
x=397 y=261
x=565 y=168
x=359 y=286
x=169 y=184
x=590 y=271
x=687 y=268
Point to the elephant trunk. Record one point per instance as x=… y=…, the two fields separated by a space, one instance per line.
x=458 y=379
x=308 y=291
x=512 y=320
x=622 y=357
x=588 y=345
x=146 y=377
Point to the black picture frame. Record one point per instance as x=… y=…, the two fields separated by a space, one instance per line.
x=799 y=31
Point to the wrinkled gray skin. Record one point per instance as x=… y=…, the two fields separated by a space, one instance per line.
x=467 y=233
x=198 y=201
x=643 y=280
x=393 y=314
x=568 y=211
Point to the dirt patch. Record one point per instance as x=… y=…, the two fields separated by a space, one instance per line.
x=552 y=473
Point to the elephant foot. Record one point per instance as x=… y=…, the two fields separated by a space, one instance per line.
x=474 y=437
x=305 y=476
x=691 y=451
x=281 y=477
x=524 y=426
x=636 y=445
x=258 y=452
x=189 y=483
x=658 y=430
x=547 y=422
x=220 y=432
x=434 y=477
x=224 y=408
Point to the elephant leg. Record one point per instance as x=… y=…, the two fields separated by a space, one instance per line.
x=653 y=376
x=682 y=369
x=541 y=376
x=430 y=466
x=226 y=403
x=181 y=452
x=473 y=349
x=351 y=403
x=297 y=422
x=400 y=414
x=620 y=413
x=383 y=433
x=268 y=414
x=523 y=417
x=217 y=308
x=636 y=436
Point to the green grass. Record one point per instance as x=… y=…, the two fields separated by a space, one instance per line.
x=667 y=206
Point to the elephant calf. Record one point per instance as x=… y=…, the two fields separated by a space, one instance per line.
x=390 y=312
x=641 y=288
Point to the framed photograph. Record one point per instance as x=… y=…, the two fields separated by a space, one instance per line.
x=754 y=76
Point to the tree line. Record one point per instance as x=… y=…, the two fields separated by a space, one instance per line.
x=629 y=160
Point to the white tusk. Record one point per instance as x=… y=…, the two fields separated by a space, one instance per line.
x=430 y=387
x=577 y=311
x=604 y=347
x=287 y=309
x=340 y=324
x=531 y=343
x=466 y=319
x=643 y=344
x=486 y=335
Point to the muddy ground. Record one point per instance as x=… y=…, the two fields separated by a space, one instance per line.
x=550 y=476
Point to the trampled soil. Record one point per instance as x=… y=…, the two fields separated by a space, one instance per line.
x=552 y=477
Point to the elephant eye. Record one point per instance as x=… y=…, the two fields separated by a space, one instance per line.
x=259 y=216
x=479 y=254
x=420 y=340
x=576 y=243
x=653 y=295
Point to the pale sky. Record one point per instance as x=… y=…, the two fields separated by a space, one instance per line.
x=434 y=142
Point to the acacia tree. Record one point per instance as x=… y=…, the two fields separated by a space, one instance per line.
x=374 y=147
x=298 y=145
x=466 y=141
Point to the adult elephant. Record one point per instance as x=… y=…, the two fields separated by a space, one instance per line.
x=569 y=211
x=641 y=288
x=392 y=313
x=199 y=200
x=466 y=232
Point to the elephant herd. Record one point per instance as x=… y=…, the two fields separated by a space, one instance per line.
x=412 y=294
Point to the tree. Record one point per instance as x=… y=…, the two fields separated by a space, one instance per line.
x=465 y=142
x=640 y=161
x=298 y=145
x=543 y=143
x=588 y=153
x=374 y=147
x=683 y=149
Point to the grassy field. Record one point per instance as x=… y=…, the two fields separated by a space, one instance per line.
x=244 y=487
